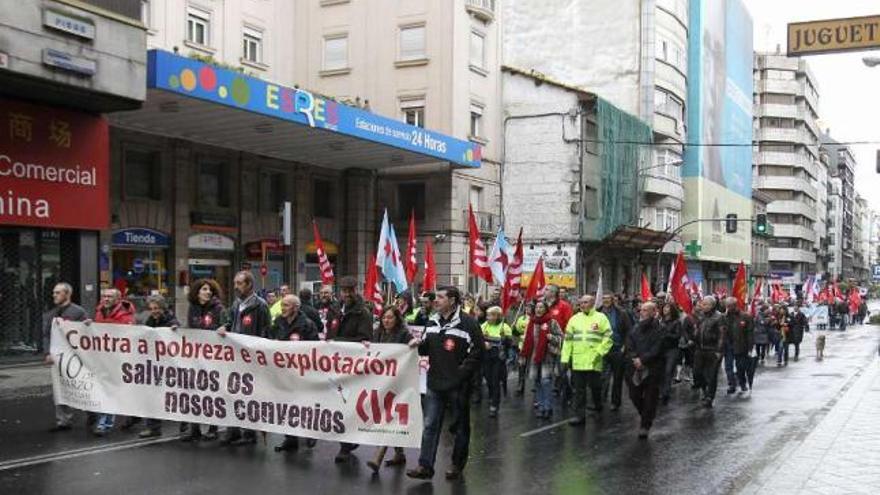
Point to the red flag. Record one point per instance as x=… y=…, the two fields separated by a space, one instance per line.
x=679 y=285
x=323 y=261
x=410 y=264
x=372 y=288
x=513 y=280
x=537 y=283
x=740 y=287
x=855 y=300
x=430 y=279
x=836 y=292
x=479 y=261
x=646 y=288
x=753 y=307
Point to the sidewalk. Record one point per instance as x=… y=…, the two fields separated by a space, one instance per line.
x=25 y=380
x=842 y=455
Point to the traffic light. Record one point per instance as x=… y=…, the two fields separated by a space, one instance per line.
x=761 y=223
x=731 y=223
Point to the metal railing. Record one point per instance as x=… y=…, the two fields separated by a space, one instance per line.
x=484 y=9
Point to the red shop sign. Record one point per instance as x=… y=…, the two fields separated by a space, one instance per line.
x=54 y=167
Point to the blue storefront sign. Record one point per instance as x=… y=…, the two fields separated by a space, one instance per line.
x=876 y=270
x=141 y=238
x=196 y=79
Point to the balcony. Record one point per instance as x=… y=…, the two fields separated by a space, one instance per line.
x=778 y=86
x=667 y=126
x=487 y=222
x=791 y=207
x=671 y=79
x=481 y=9
x=780 y=135
x=789 y=159
x=794 y=231
x=792 y=255
x=777 y=110
x=662 y=186
x=785 y=183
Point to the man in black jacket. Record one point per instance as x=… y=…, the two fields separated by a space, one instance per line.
x=799 y=324
x=620 y=328
x=454 y=345
x=709 y=340
x=306 y=308
x=292 y=324
x=249 y=315
x=741 y=331
x=644 y=355
x=355 y=325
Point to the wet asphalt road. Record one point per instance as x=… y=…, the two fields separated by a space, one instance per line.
x=691 y=450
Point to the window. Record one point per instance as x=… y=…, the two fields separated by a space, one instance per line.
x=141 y=174
x=413 y=112
x=252 y=49
x=412 y=43
x=213 y=184
x=272 y=191
x=667 y=163
x=668 y=105
x=785 y=75
x=411 y=198
x=664 y=218
x=478 y=50
x=476 y=127
x=322 y=199
x=475 y=198
x=198 y=27
x=146 y=13
x=778 y=99
x=336 y=52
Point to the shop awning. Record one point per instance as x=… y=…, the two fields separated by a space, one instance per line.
x=638 y=238
x=199 y=102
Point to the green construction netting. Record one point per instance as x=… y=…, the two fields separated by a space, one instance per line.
x=621 y=158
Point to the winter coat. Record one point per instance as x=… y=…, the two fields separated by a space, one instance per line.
x=543 y=340
x=711 y=333
x=799 y=324
x=399 y=336
x=121 y=313
x=672 y=332
x=454 y=347
x=620 y=325
x=250 y=316
x=561 y=312
x=70 y=312
x=355 y=324
x=741 y=331
x=166 y=319
x=312 y=314
x=301 y=328
x=587 y=341
x=205 y=316
x=762 y=330
x=645 y=342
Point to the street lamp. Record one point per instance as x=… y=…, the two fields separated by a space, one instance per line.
x=871 y=61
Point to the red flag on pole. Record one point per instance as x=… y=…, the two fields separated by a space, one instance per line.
x=513 y=280
x=646 y=288
x=479 y=261
x=411 y=266
x=537 y=283
x=372 y=288
x=679 y=285
x=430 y=280
x=740 y=287
x=323 y=261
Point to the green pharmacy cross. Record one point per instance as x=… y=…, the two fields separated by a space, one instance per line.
x=693 y=249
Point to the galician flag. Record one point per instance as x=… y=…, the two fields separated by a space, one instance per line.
x=499 y=258
x=388 y=256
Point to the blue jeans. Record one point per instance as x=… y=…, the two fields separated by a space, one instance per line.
x=105 y=422
x=544 y=387
x=434 y=405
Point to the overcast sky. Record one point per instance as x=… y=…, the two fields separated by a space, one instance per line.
x=849 y=92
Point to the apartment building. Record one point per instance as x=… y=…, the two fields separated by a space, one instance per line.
x=841 y=167
x=786 y=165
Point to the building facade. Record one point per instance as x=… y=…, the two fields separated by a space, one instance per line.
x=787 y=164
x=841 y=166
x=760 y=240
x=65 y=65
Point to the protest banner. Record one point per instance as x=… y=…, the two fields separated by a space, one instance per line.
x=324 y=390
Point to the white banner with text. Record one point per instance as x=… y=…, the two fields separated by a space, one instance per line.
x=325 y=390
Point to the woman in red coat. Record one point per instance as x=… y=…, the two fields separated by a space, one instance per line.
x=543 y=340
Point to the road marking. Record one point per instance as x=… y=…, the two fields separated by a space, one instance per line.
x=543 y=429
x=70 y=454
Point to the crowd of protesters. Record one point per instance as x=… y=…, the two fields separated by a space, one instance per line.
x=572 y=358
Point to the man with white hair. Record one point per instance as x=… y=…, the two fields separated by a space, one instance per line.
x=709 y=340
x=66 y=310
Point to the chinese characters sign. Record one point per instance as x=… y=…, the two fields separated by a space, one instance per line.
x=54 y=167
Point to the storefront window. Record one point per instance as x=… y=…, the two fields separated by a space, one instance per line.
x=141 y=273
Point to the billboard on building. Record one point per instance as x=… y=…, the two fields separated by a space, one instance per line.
x=560 y=263
x=717 y=174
